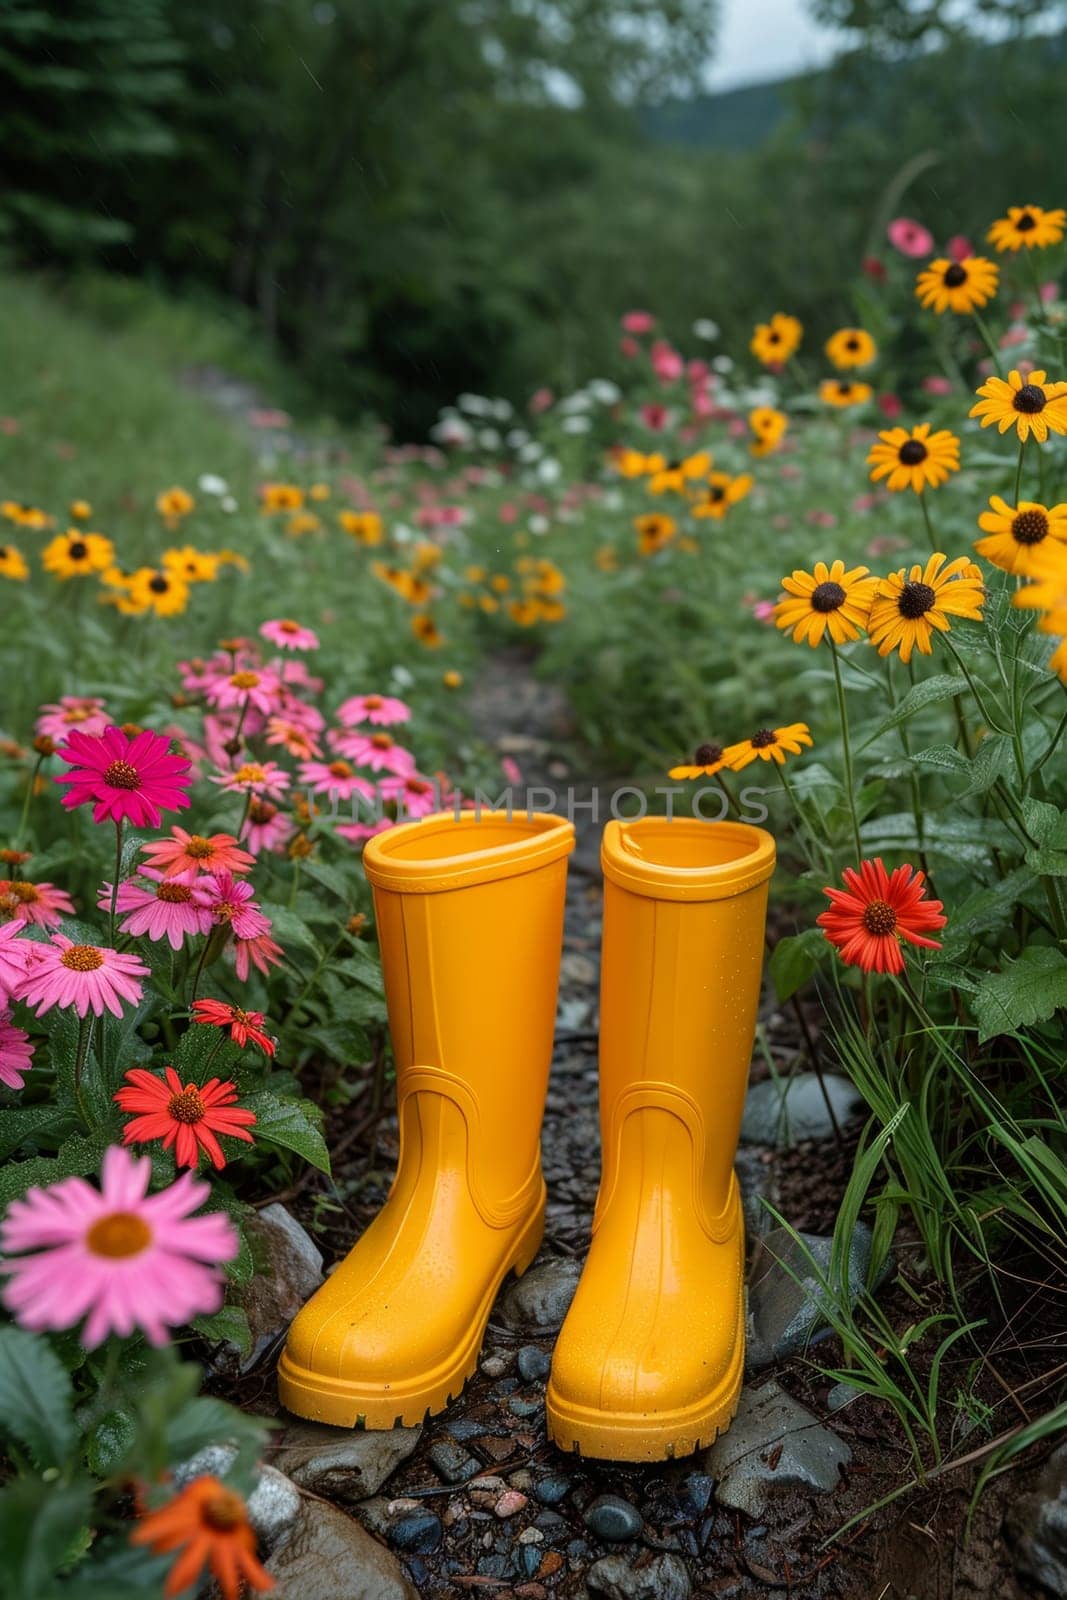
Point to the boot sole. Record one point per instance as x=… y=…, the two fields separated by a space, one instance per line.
x=648 y=1435
x=347 y=1403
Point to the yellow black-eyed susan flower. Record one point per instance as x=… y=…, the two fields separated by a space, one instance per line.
x=1030 y=405
x=676 y=475
x=12 y=564
x=1049 y=596
x=768 y=744
x=319 y=491
x=636 y=464
x=195 y=566
x=851 y=347
x=452 y=679
x=959 y=286
x=769 y=425
x=364 y=526
x=654 y=532
x=302 y=522
x=707 y=761
x=914 y=460
x=77 y=555
x=80 y=510
x=912 y=604
x=1021 y=538
x=844 y=392
x=1027 y=228
x=775 y=341
x=31 y=517
x=156 y=589
x=426 y=631
x=826 y=600
x=280 y=497
x=720 y=493
x=408 y=585
x=173 y=504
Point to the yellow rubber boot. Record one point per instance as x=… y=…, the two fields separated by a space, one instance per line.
x=650 y=1358
x=470 y=923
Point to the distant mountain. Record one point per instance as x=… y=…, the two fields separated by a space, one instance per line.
x=735 y=119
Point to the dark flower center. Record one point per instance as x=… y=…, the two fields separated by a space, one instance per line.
x=186 y=1107
x=1030 y=398
x=852 y=343
x=828 y=597
x=764 y=737
x=27 y=893
x=223 y=1511
x=372 y=702
x=916 y=599
x=708 y=754
x=381 y=741
x=158 y=584
x=244 y=680
x=198 y=847
x=121 y=1234
x=1029 y=527
x=1026 y=223
x=175 y=894
x=81 y=958
x=120 y=775
x=843 y=386
x=773 y=338
x=879 y=918
x=77 y=550
x=716 y=492
x=955 y=276
x=912 y=451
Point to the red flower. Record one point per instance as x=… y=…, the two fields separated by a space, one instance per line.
x=187 y=1118
x=243 y=1025
x=135 y=779
x=876 y=911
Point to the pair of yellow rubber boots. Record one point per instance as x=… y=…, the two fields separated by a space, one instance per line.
x=470 y=921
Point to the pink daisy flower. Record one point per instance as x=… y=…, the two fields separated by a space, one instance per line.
x=196 y=852
x=84 y=712
x=289 y=635
x=255 y=777
x=168 y=910
x=252 y=686
x=261 y=952
x=116 y=1255
x=381 y=709
x=13 y=949
x=126 y=779
x=231 y=901
x=335 y=777
x=40 y=903
x=293 y=737
x=16 y=1052
x=291 y=670
x=378 y=751
x=88 y=977
x=413 y=795
x=266 y=828
x=359 y=832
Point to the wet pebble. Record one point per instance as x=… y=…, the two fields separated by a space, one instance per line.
x=550 y=1491
x=612 y=1518
x=509 y=1503
x=451 y=1462
x=494 y=1366
x=419 y=1531
x=523 y=1408
x=533 y=1363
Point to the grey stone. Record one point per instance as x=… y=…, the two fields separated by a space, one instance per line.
x=328 y=1556
x=451 y=1462
x=756 y=1181
x=786 y=1301
x=1037 y=1527
x=524 y=1408
x=288 y=1271
x=612 y=1518
x=786 y=1111
x=542 y=1298
x=274 y=1503
x=774 y=1442
x=419 y=1531
x=550 y=1491
x=842 y=1394
x=339 y=1464
x=534 y=1364
x=663 y=1578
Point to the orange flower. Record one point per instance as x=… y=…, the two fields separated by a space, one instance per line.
x=209 y=1524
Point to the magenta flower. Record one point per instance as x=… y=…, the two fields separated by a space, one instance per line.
x=335 y=777
x=637 y=321
x=381 y=709
x=118 y=1256
x=255 y=777
x=168 y=910
x=84 y=712
x=414 y=796
x=40 y=903
x=16 y=1051
x=910 y=237
x=289 y=635
x=266 y=828
x=126 y=779
x=12 y=959
x=360 y=832
x=260 y=952
x=249 y=686
x=378 y=751
x=88 y=977
x=229 y=900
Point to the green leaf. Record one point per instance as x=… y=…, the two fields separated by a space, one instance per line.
x=795 y=959
x=47 y=1122
x=1029 y=990
x=109 y=1442
x=205 y=1421
x=1045 y=823
x=229 y=1325
x=204 y=1051
x=35 y=1397
x=987 y=911
x=291 y=931
x=943 y=686
x=944 y=756
x=40 y=1523
x=330 y=877
x=291 y=1124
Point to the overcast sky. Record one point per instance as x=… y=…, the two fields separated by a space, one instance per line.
x=764 y=39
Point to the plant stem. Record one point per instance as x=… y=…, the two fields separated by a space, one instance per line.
x=1019 y=470
x=1061 y=729
x=980 y=324
x=929 y=525
x=850 y=782
x=115 y=885
x=85 y=1033
x=30 y=787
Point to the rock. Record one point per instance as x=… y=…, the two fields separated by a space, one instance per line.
x=1037 y=1527
x=785 y=1315
x=550 y=1491
x=288 y=1271
x=612 y=1518
x=328 y=1556
x=774 y=1442
x=534 y=1364
x=342 y=1465
x=451 y=1462
x=663 y=1578
x=510 y=1503
x=574 y=968
x=418 y=1531
x=756 y=1181
x=842 y=1394
x=542 y=1298
x=786 y=1111
x=524 y=1408
x=273 y=1505
x=699 y=1487
x=494 y=1366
